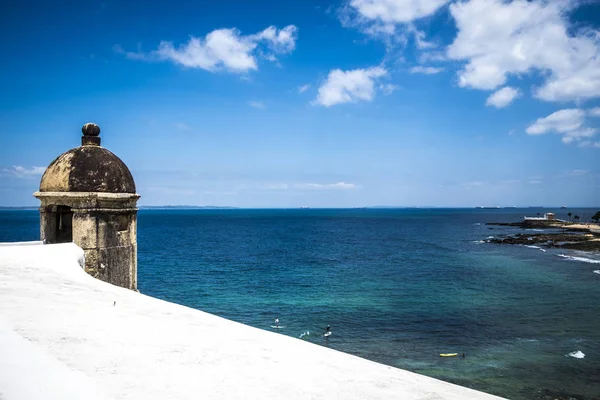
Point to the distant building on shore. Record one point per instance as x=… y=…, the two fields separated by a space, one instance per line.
x=546 y=217
x=88 y=197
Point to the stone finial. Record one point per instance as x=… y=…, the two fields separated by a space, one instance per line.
x=90 y=129
x=90 y=135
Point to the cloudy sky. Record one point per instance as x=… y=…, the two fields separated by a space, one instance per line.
x=291 y=103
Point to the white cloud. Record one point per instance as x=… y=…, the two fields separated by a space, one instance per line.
x=561 y=121
x=420 y=41
x=349 y=86
x=378 y=30
x=570 y=123
x=578 y=135
x=338 y=185
x=280 y=41
x=589 y=143
x=388 y=88
x=132 y=55
x=390 y=20
x=17 y=171
x=503 y=97
x=574 y=173
x=222 y=49
x=432 y=56
x=396 y=11
x=257 y=104
x=426 y=70
x=303 y=88
x=499 y=39
x=30 y=171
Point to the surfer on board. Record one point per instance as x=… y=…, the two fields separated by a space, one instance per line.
x=277 y=322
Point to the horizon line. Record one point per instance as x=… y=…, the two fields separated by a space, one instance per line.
x=181 y=206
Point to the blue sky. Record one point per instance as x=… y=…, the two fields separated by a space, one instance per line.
x=310 y=103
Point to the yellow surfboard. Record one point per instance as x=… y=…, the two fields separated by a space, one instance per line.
x=448 y=354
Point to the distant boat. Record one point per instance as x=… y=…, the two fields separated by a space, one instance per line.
x=304 y=208
x=563 y=206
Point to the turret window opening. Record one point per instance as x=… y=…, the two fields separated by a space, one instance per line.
x=64 y=224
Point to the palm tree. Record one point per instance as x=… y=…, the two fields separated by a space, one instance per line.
x=576 y=218
x=596 y=217
x=570 y=214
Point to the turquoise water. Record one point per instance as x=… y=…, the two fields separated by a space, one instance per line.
x=396 y=286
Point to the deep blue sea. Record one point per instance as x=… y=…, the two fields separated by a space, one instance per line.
x=397 y=286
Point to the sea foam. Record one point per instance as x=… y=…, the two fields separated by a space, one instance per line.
x=535 y=247
x=582 y=259
x=576 y=354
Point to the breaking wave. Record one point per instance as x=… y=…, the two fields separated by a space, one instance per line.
x=582 y=259
x=535 y=247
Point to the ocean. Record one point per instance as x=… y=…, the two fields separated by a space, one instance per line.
x=396 y=286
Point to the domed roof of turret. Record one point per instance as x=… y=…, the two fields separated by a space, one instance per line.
x=88 y=168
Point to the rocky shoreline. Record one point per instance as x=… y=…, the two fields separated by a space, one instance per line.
x=570 y=236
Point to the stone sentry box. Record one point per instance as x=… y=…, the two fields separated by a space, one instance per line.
x=88 y=196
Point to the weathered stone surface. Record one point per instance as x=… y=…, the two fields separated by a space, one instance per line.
x=90 y=129
x=92 y=265
x=119 y=259
x=88 y=169
x=85 y=233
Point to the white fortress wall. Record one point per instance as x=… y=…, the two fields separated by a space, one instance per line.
x=79 y=337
